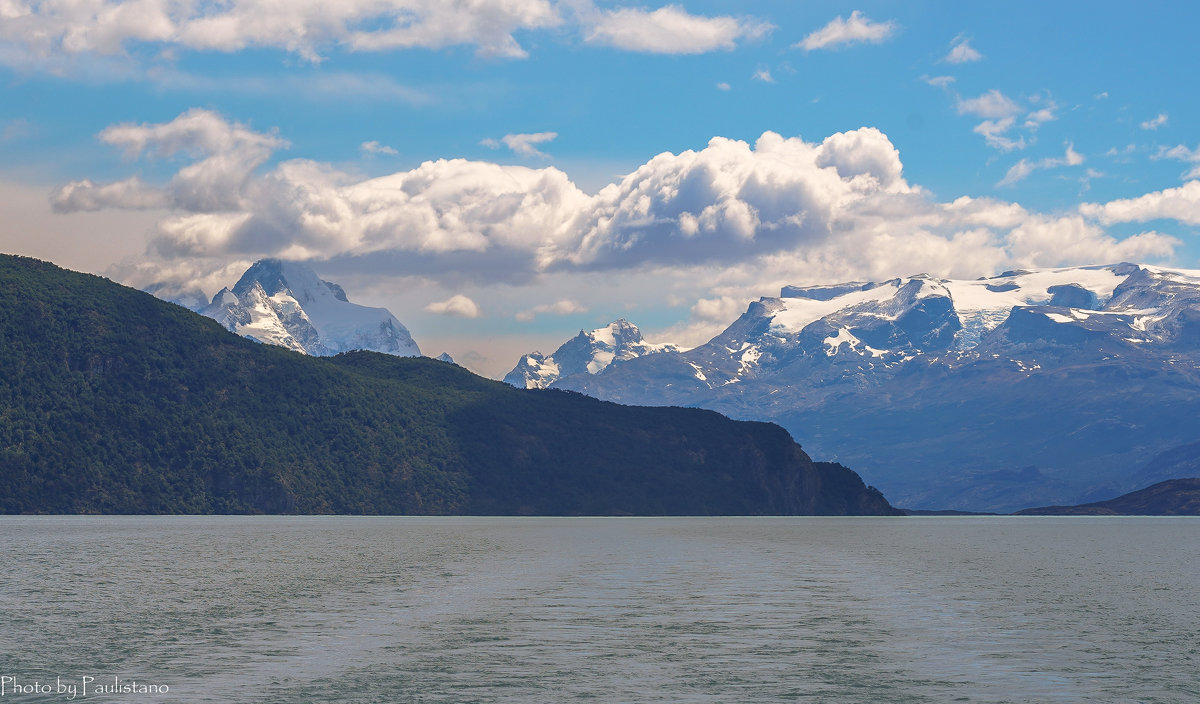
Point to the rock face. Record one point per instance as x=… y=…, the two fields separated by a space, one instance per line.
x=988 y=395
x=586 y=353
x=286 y=304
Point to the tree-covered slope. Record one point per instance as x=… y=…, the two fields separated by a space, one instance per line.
x=112 y=401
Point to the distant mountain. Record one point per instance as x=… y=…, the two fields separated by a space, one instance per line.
x=116 y=402
x=1182 y=461
x=286 y=304
x=984 y=395
x=586 y=353
x=1174 y=497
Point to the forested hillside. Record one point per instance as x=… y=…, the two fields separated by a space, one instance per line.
x=112 y=401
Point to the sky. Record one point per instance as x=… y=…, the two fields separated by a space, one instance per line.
x=501 y=174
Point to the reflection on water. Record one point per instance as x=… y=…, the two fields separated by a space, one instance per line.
x=333 y=609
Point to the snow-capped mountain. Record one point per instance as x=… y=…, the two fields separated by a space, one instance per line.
x=586 y=353
x=987 y=394
x=286 y=304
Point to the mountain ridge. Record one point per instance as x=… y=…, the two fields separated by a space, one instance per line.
x=1173 y=497
x=117 y=402
x=1079 y=372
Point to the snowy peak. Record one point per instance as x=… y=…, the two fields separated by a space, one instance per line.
x=925 y=315
x=589 y=352
x=943 y=390
x=287 y=304
x=859 y=332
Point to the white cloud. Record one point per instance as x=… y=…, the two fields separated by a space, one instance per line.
x=725 y=220
x=226 y=155
x=994 y=132
x=938 y=81
x=962 y=52
x=522 y=144
x=1060 y=241
x=305 y=27
x=1000 y=118
x=718 y=310
x=1181 y=204
x=991 y=105
x=1180 y=153
x=1023 y=168
x=669 y=30
x=762 y=73
x=853 y=30
x=563 y=307
x=458 y=306
x=1037 y=118
x=723 y=86
x=1017 y=172
x=1156 y=122
x=374 y=147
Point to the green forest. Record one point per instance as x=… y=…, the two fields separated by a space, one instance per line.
x=112 y=401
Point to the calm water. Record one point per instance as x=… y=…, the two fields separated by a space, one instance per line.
x=285 y=609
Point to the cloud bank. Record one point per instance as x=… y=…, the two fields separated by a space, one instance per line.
x=48 y=31
x=779 y=209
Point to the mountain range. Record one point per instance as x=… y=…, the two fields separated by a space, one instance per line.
x=1027 y=388
x=116 y=402
x=586 y=353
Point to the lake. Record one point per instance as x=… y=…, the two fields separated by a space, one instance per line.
x=345 y=609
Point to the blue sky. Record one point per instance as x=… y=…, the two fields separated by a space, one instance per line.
x=447 y=159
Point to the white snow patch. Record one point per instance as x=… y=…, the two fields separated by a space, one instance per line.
x=600 y=360
x=801 y=312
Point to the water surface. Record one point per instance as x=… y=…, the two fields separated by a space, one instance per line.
x=337 y=609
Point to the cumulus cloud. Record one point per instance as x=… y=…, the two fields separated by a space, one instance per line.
x=226 y=154
x=855 y=29
x=718 y=310
x=732 y=215
x=962 y=52
x=522 y=144
x=1156 y=122
x=1024 y=167
x=563 y=307
x=1050 y=241
x=938 y=81
x=458 y=306
x=669 y=30
x=1181 y=204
